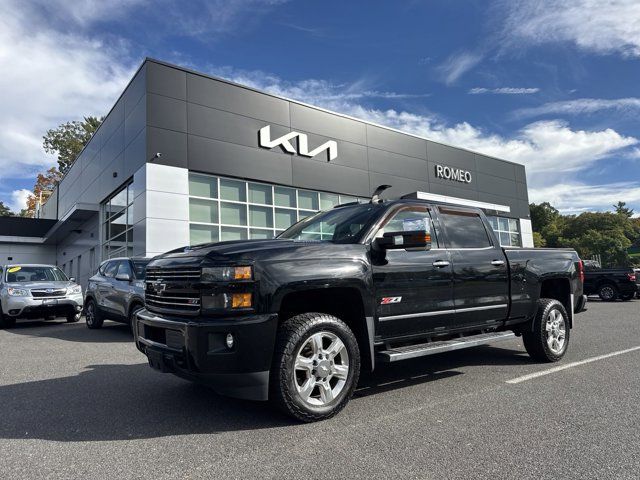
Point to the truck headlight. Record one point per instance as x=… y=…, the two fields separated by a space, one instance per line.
x=74 y=290
x=226 y=274
x=17 y=292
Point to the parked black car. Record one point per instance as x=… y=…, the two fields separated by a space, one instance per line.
x=609 y=283
x=116 y=291
x=294 y=319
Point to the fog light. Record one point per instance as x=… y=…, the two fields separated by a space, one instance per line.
x=229 y=341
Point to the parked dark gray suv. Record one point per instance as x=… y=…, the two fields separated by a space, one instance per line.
x=116 y=291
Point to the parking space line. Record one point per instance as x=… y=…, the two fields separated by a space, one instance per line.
x=559 y=368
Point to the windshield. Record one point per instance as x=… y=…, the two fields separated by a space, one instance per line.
x=140 y=268
x=340 y=225
x=18 y=274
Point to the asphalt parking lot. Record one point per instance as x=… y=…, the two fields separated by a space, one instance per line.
x=76 y=403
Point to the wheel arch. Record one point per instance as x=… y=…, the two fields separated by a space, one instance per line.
x=559 y=289
x=345 y=302
x=135 y=301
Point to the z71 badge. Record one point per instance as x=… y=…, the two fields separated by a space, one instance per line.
x=388 y=300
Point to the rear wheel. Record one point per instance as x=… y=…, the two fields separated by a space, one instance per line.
x=93 y=315
x=548 y=340
x=608 y=292
x=316 y=366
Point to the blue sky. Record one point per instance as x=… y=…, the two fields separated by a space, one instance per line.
x=552 y=85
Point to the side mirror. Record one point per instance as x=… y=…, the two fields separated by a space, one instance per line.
x=123 y=277
x=404 y=240
x=72 y=279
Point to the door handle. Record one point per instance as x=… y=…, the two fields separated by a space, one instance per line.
x=497 y=263
x=440 y=263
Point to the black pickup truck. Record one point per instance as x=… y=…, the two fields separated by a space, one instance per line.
x=295 y=319
x=609 y=283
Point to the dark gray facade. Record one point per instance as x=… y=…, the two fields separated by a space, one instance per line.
x=208 y=125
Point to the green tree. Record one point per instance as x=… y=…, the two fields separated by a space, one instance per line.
x=543 y=215
x=68 y=139
x=611 y=245
x=538 y=240
x=621 y=209
x=547 y=222
x=4 y=210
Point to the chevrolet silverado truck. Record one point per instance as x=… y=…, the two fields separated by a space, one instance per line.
x=37 y=291
x=609 y=283
x=296 y=318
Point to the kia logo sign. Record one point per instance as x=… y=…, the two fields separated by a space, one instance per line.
x=303 y=144
x=457 y=174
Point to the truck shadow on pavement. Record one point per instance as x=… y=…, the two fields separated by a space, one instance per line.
x=422 y=370
x=126 y=402
x=111 y=332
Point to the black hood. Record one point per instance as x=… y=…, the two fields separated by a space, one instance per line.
x=244 y=250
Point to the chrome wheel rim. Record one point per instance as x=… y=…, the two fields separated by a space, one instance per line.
x=89 y=314
x=556 y=331
x=607 y=292
x=321 y=368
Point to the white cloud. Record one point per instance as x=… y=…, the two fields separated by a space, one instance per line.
x=207 y=19
x=582 y=106
x=49 y=77
x=19 y=200
x=603 y=27
x=578 y=197
x=457 y=65
x=551 y=150
x=504 y=90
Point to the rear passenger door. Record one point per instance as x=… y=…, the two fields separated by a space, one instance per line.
x=480 y=273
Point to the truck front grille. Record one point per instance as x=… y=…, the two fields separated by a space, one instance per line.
x=173 y=274
x=182 y=301
x=172 y=290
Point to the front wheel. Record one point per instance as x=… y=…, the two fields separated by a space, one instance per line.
x=316 y=366
x=93 y=315
x=548 y=340
x=7 y=321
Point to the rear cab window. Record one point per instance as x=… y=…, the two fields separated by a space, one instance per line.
x=464 y=229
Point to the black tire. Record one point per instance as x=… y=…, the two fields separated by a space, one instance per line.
x=536 y=341
x=74 y=317
x=608 y=292
x=7 y=321
x=295 y=334
x=132 y=315
x=92 y=314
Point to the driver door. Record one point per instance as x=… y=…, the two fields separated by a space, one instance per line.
x=413 y=287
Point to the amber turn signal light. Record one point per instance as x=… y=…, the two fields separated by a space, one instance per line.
x=242 y=273
x=240 y=300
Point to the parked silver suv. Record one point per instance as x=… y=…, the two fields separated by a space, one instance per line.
x=116 y=291
x=37 y=291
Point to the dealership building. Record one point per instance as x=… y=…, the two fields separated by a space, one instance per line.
x=185 y=158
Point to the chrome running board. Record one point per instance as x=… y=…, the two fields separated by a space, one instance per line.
x=431 y=348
